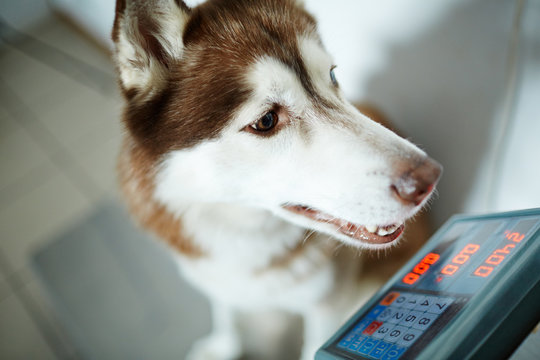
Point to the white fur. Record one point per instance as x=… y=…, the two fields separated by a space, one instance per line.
x=137 y=68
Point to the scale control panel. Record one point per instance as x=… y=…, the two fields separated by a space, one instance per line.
x=476 y=279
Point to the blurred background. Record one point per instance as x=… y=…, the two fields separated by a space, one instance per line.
x=461 y=78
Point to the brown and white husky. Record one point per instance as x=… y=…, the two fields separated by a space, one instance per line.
x=243 y=154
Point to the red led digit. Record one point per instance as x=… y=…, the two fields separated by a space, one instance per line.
x=421 y=268
x=470 y=249
x=515 y=236
x=431 y=258
x=460 y=259
x=410 y=278
x=498 y=255
x=494 y=259
x=449 y=269
x=483 y=271
x=505 y=250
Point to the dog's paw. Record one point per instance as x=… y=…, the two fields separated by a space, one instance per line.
x=216 y=347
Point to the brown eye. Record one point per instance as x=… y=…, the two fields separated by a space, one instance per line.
x=266 y=123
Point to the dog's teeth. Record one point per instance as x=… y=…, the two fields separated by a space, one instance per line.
x=371 y=228
x=383 y=232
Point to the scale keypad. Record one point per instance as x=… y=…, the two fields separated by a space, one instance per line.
x=394 y=325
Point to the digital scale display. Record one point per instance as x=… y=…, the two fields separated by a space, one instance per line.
x=465 y=268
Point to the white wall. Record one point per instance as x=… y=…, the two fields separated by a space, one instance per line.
x=96 y=16
x=439 y=70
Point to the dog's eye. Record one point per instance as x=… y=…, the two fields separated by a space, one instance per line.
x=266 y=123
x=333 y=76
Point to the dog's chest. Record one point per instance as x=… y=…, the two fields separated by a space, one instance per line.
x=254 y=259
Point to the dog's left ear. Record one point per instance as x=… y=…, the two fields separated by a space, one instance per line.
x=148 y=37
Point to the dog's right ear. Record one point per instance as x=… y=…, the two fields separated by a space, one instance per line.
x=148 y=37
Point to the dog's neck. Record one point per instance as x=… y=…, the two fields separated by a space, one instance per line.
x=237 y=233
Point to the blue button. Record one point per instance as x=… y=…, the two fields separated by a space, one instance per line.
x=376 y=311
x=367 y=346
x=346 y=341
x=394 y=353
x=380 y=349
x=386 y=314
x=357 y=342
x=361 y=326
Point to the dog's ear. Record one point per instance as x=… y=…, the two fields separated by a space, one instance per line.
x=148 y=37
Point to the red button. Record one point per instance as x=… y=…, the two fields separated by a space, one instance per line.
x=372 y=327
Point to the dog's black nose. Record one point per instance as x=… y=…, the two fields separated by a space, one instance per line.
x=414 y=184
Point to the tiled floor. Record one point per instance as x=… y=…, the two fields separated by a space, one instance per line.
x=59 y=135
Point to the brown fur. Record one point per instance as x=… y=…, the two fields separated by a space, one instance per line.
x=136 y=172
x=218 y=45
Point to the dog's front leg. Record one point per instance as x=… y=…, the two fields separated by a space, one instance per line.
x=319 y=324
x=224 y=342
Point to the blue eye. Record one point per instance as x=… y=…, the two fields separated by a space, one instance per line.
x=333 y=76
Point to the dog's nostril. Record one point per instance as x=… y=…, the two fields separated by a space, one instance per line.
x=414 y=185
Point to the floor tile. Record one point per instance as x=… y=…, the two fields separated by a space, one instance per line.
x=99 y=162
x=84 y=119
x=32 y=80
x=34 y=218
x=5 y=290
x=7 y=125
x=19 y=337
x=19 y=155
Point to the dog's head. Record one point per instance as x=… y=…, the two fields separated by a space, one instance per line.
x=237 y=102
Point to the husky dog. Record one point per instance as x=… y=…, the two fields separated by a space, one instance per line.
x=242 y=153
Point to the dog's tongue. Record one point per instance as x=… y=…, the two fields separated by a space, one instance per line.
x=375 y=234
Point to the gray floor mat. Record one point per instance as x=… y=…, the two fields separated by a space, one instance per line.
x=117 y=293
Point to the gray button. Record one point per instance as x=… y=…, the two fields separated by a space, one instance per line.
x=409 y=337
x=424 y=321
x=411 y=318
x=440 y=305
x=401 y=299
x=412 y=301
x=383 y=331
x=425 y=303
x=395 y=334
x=398 y=316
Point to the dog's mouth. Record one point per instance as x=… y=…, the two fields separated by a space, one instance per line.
x=371 y=234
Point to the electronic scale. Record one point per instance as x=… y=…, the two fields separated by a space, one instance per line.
x=473 y=291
